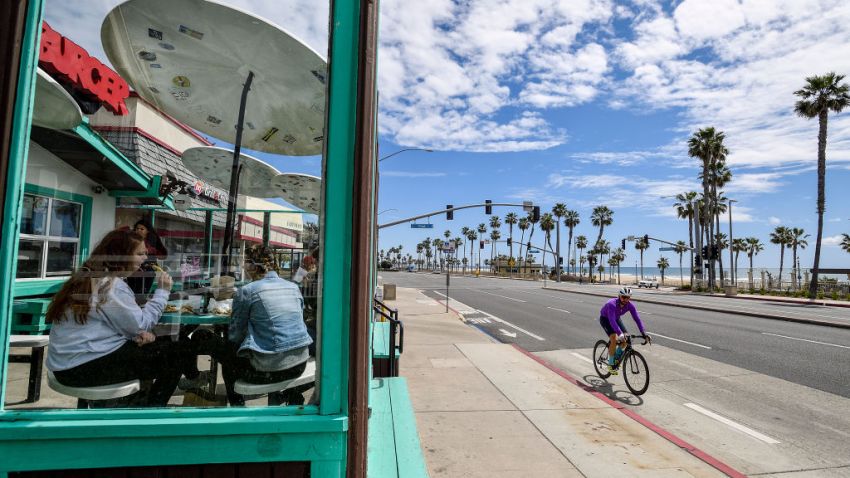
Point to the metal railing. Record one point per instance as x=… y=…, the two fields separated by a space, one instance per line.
x=396 y=328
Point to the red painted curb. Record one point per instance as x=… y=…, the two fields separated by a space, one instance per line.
x=669 y=436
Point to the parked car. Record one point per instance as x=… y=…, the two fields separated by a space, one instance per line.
x=411 y=268
x=648 y=283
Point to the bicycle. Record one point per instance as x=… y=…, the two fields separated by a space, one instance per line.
x=634 y=367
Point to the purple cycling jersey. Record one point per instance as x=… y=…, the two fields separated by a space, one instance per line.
x=613 y=310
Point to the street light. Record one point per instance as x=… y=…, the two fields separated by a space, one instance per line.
x=731 y=264
x=388 y=210
x=406 y=149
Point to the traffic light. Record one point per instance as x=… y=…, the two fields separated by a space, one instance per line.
x=488 y=208
x=697 y=264
x=561 y=261
x=535 y=214
x=481 y=244
x=646 y=238
x=509 y=242
x=450 y=215
x=623 y=244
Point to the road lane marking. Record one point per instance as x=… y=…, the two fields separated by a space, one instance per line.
x=735 y=425
x=513 y=326
x=806 y=340
x=559 y=310
x=551 y=296
x=576 y=354
x=502 y=296
x=680 y=340
x=509 y=334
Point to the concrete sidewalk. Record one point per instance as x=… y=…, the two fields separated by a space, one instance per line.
x=486 y=409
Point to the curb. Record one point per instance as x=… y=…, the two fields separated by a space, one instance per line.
x=839 y=325
x=667 y=435
x=782 y=301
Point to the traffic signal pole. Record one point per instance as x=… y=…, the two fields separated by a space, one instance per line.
x=447 y=210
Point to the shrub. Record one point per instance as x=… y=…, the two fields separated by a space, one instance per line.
x=835 y=295
x=820 y=294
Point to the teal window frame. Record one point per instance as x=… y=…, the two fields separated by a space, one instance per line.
x=44 y=285
x=127 y=437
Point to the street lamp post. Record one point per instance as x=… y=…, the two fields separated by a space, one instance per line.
x=732 y=265
x=406 y=149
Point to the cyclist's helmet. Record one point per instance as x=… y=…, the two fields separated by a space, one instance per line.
x=625 y=292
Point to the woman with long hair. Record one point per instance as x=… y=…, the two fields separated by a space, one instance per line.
x=101 y=336
x=142 y=279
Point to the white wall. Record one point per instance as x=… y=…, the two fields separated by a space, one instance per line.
x=46 y=170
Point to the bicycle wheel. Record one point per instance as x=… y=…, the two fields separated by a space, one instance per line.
x=600 y=359
x=636 y=372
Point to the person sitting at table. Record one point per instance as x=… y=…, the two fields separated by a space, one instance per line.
x=142 y=280
x=267 y=339
x=100 y=336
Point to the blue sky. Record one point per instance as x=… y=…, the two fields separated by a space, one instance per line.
x=588 y=102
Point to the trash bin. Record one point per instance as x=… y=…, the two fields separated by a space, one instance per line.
x=389 y=291
x=730 y=290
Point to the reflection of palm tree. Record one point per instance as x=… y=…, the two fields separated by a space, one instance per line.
x=641 y=245
x=754 y=246
x=798 y=239
x=680 y=249
x=781 y=236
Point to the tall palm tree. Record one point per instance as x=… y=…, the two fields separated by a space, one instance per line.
x=471 y=236
x=739 y=245
x=511 y=219
x=559 y=210
x=547 y=224
x=581 y=243
x=685 y=208
x=531 y=224
x=428 y=252
x=601 y=217
x=707 y=146
x=495 y=235
x=482 y=229
x=845 y=242
x=798 y=240
x=754 y=246
x=662 y=264
x=619 y=256
x=571 y=220
x=419 y=249
x=438 y=245
x=641 y=245
x=818 y=97
x=495 y=224
x=719 y=206
x=523 y=226
x=781 y=236
x=680 y=249
x=602 y=247
x=464 y=232
x=458 y=241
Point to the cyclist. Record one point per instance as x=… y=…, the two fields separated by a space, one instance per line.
x=610 y=318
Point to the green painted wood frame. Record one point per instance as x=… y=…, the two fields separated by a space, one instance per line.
x=196 y=435
x=29 y=287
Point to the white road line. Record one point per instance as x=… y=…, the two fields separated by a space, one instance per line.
x=735 y=425
x=806 y=340
x=558 y=297
x=502 y=296
x=680 y=340
x=513 y=326
x=582 y=357
x=560 y=310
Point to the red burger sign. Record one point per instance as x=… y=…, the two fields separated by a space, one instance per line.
x=69 y=63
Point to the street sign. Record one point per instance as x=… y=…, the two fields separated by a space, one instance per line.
x=664 y=249
x=421 y=226
x=527 y=206
x=630 y=238
x=448 y=250
x=534 y=251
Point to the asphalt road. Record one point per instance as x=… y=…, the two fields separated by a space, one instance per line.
x=768 y=397
x=810 y=355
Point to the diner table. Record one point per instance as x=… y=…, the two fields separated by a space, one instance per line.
x=188 y=322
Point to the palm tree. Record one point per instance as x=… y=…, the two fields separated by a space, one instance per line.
x=601 y=217
x=523 y=226
x=602 y=247
x=754 y=246
x=663 y=264
x=707 y=146
x=464 y=232
x=458 y=242
x=428 y=253
x=419 y=249
x=438 y=245
x=531 y=223
x=798 y=239
x=641 y=245
x=571 y=220
x=685 y=209
x=482 y=229
x=845 y=242
x=511 y=219
x=495 y=235
x=619 y=256
x=581 y=243
x=547 y=224
x=739 y=245
x=819 y=96
x=680 y=249
x=781 y=236
x=559 y=210
x=471 y=236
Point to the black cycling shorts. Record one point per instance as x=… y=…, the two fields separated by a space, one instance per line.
x=603 y=321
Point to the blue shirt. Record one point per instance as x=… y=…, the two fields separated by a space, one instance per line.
x=268 y=317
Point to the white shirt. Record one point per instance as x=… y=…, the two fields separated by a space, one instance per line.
x=108 y=326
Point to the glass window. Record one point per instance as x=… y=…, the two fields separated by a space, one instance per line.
x=42 y=254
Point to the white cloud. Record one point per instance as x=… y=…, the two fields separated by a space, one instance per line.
x=832 y=240
x=775 y=221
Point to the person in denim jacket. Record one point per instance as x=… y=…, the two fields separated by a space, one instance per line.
x=267 y=340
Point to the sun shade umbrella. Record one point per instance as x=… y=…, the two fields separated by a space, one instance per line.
x=54 y=107
x=214 y=165
x=300 y=190
x=197 y=61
